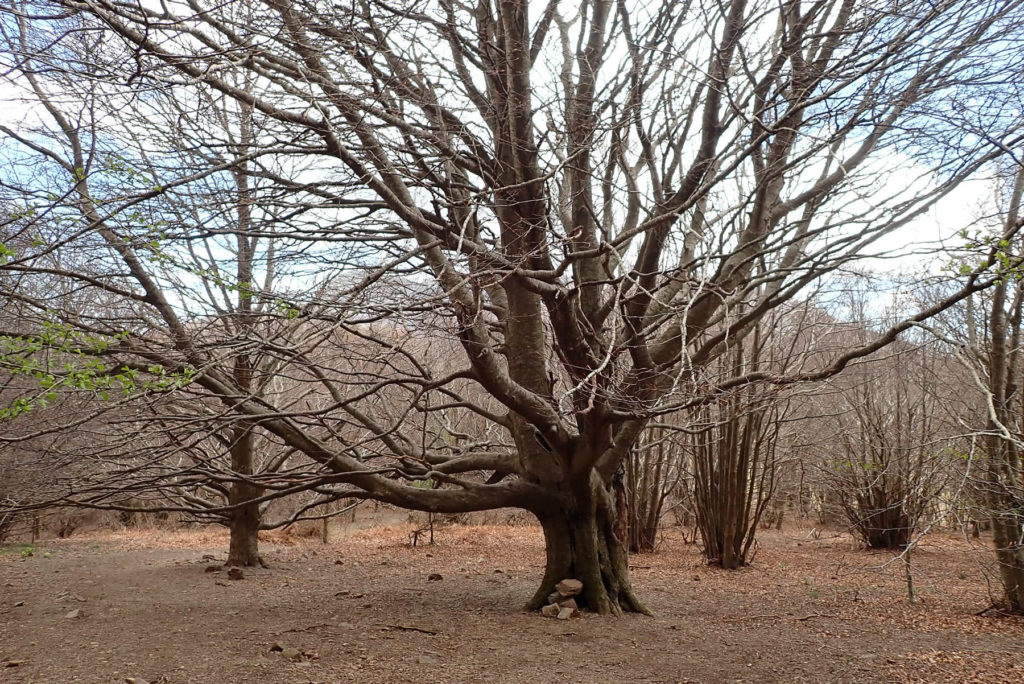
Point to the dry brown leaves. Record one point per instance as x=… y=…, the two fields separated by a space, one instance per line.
x=935 y=667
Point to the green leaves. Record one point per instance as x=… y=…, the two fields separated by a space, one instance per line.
x=1003 y=262
x=64 y=360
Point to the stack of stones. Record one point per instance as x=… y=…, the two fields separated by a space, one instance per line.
x=561 y=603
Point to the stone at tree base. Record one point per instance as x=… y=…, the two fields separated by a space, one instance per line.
x=569 y=587
x=235 y=573
x=550 y=610
x=568 y=603
x=566 y=613
x=555 y=597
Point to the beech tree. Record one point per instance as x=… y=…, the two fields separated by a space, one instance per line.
x=989 y=341
x=585 y=205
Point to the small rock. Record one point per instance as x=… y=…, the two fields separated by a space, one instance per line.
x=74 y=614
x=569 y=587
x=19 y=604
x=550 y=610
x=276 y=647
x=292 y=654
x=426 y=660
x=208 y=557
x=339 y=562
x=235 y=573
x=135 y=680
x=696 y=578
x=568 y=603
x=343 y=592
x=499 y=571
x=14 y=663
x=211 y=568
x=555 y=597
x=566 y=613
x=221 y=584
x=434 y=577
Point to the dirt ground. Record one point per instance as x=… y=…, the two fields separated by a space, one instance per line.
x=363 y=609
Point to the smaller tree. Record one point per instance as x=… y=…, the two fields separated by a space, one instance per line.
x=734 y=459
x=893 y=446
x=654 y=470
x=998 y=357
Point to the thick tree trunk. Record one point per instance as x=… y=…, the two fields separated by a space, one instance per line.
x=885 y=528
x=1005 y=473
x=243 y=549
x=585 y=540
x=1005 y=494
x=1007 y=534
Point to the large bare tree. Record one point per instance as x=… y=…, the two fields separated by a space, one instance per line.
x=584 y=205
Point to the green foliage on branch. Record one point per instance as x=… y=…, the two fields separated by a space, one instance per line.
x=62 y=359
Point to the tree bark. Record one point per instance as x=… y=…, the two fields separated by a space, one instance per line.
x=1004 y=501
x=243 y=548
x=584 y=539
x=1003 y=460
x=1007 y=534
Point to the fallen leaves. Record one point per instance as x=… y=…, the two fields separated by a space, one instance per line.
x=956 y=667
x=795 y=614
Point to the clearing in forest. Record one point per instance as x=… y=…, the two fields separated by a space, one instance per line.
x=147 y=605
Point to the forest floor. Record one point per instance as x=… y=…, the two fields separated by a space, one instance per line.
x=362 y=609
